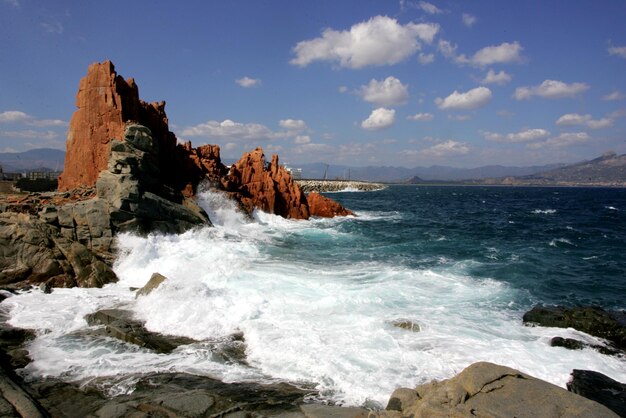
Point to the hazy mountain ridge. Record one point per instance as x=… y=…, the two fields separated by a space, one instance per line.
x=609 y=168
x=432 y=173
x=35 y=159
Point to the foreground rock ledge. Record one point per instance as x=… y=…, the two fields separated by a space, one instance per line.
x=489 y=390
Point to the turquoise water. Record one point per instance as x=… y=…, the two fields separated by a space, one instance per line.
x=316 y=300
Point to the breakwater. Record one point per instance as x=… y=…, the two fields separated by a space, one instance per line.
x=338 y=186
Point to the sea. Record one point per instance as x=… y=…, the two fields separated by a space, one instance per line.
x=317 y=300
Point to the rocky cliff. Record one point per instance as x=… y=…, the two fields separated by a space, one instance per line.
x=106 y=103
x=67 y=239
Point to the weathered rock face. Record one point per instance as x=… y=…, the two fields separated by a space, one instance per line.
x=269 y=188
x=489 y=390
x=105 y=102
x=72 y=244
x=324 y=207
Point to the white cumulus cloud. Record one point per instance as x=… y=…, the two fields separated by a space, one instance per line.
x=573 y=119
x=472 y=99
x=379 y=41
x=424 y=117
x=551 y=89
x=499 y=78
x=379 y=118
x=248 y=82
x=302 y=139
x=388 y=92
x=292 y=124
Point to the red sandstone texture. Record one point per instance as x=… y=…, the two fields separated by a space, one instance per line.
x=269 y=188
x=106 y=102
x=324 y=207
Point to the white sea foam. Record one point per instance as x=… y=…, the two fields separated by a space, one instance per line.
x=611 y=208
x=326 y=322
x=558 y=242
x=544 y=211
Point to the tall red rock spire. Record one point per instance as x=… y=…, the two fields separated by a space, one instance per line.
x=105 y=102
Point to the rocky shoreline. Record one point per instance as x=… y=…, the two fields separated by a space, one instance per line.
x=480 y=390
x=322 y=186
x=125 y=172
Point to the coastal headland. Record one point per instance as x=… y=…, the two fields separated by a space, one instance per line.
x=126 y=172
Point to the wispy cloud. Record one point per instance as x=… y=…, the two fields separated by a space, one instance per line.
x=445 y=149
x=469 y=20
x=614 y=96
x=248 y=82
x=470 y=100
x=619 y=51
x=234 y=131
x=19 y=117
x=429 y=8
x=551 y=89
x=505 y=53
x=527 y=135
x=573 y=119
x=501 y=78
x=53 y=27
x=423 y=117
x=293 y=124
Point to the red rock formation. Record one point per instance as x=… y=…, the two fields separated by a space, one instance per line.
x=325 y=207
x=105 y=102
x=269 y=188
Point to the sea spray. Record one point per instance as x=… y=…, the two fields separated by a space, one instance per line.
x=315 y=301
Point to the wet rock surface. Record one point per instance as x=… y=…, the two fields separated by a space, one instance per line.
x=324 y=207
x=591 y=320
x=120 y=324
x=173 y=395
x=600 y=388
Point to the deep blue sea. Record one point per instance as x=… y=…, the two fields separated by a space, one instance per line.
x=316 y=300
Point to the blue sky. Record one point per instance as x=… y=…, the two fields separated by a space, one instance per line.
x=405 y=83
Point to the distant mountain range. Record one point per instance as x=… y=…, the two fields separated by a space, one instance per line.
x=33 y=160
x=607 y=169
x=417 y=174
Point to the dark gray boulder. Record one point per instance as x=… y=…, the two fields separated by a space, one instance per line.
x=600 y=388
x=119 y=324
x=592 y=320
